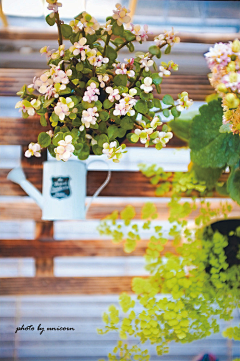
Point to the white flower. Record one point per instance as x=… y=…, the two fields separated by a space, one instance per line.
x=169 y=37
x=50 y=133
x=74 y=25
x=113 y=94
x=144 y=135
x=53 y=5
x=155 y=122
x=63 y=106
x=80 y=48
x=141 y=35
x=90 y=24
x=90 y=93
x=103 y=79
x=126 y=104
x=107 y=28
x=28 y=107
x=121 y=15
x=65 y=149
x=163 y=71
x=147 y=85
x=163 y=138
x=33 y=149
x=97 y=60
x=145 y=61
x=59 y=53
x=183 y=102
x=89 y=117
x=123 y=70
x=113 y=152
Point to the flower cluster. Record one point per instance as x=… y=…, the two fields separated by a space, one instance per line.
x=224 y=63
x=91 y=101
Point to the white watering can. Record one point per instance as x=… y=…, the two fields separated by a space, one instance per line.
x=64 y=189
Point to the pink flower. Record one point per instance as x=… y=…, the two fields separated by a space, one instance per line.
x=90 y=93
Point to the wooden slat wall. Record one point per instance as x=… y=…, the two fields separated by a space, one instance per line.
x=198 y=87
x=32 y=34
x=64 y=285
x=18 y=131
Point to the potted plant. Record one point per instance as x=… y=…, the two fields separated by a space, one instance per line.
x=90 y=103
x=213 y=134
x=93 y=99
x=185 y=293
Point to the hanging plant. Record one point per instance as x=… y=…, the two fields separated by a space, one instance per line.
x=188 y=289
x=90 y=101
x=213 y=132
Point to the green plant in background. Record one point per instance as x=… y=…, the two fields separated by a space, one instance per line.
x=212 y=151
x=90 y=101
x=181 y=300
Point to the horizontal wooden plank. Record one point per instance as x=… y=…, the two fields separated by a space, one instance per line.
x=64 y=285
x=135 y=184
x=88 y=248
x=20 y=131
x=198 y=86
x=20 y=33
x=31 y=211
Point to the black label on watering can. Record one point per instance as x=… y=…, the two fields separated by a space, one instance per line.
x=60 y=187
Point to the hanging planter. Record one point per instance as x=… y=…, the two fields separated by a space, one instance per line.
x=230 y=229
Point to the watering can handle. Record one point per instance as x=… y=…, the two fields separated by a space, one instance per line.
x=102 y=186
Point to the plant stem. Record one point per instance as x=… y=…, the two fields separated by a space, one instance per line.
x=60 y=38
x=106 y=44
x=78 y=91
x=122 y=45
x=140 y=74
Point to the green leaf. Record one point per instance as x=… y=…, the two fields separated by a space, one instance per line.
x=209 y=147
x=120 y=79
x=168 y=99
x=43 y=121
x=66 y=30
x=208 y=175
x=166 y=112
x=134 y=138
x=130 y=47
x=104 y=116
x=79 y=66
x=111 y=53
x=84 y=154
x=233 y=184
x=175 y=112
x=86 y=71
x=44 y=139
x=97 y=150
x=76 y=122
x=127 y=123
x=168 y=49
x=181 y=128
x=102 y=139
x=107 y=104
x=154 y=50
x=112 y=132
x=117 y=30
x=128 y=35
x=57 y=138
x=48 y=102
x=50 y=20
x=141 y=106
x=157 y=80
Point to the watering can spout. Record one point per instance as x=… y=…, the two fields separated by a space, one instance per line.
x=17 y=176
